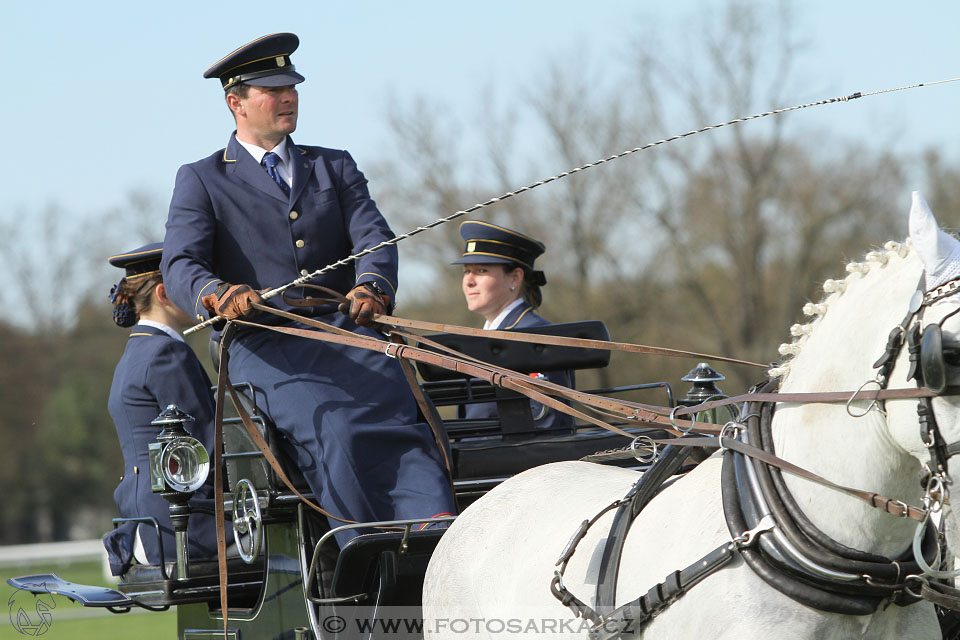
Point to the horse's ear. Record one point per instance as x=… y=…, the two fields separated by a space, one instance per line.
x=938 y=250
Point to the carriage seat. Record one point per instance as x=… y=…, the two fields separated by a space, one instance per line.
x=376 y=564
x=451 y=388
x=525 y=357
x=485 y=452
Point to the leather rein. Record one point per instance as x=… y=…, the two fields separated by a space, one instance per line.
x=556 y=397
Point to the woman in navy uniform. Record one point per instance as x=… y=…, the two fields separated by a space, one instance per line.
x=157 y=369
x=500 y=283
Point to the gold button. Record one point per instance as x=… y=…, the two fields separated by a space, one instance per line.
x=300 y=244
x=136 y=469
x=304 y=272
x=294 y=215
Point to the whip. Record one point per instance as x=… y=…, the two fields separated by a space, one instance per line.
x=345 y=261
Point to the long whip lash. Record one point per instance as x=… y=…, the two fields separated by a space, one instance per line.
x=386 y=243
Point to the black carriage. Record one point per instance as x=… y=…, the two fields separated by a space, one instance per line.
x=286 y=575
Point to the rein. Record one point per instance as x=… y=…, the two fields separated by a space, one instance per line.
x=544 y=391
x=743 y=536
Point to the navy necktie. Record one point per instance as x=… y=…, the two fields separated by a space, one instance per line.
x=270 y=161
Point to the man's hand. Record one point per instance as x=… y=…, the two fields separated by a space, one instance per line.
x=363 y=302
x=232 y=301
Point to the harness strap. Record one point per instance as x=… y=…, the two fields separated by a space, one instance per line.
x=607 y=406
x=627 y=618
x=644 y=490
x=820 y=396
x=891 y=506
x=556 y=340
x=941 y=595
x=638 y=413
x=531 y=387
x=427 y=409
x=218 y=479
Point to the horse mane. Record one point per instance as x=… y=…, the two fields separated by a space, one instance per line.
x=833 y=290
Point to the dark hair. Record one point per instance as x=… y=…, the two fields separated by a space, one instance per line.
x=530 y=287
x=241 y=90
x=132 y=298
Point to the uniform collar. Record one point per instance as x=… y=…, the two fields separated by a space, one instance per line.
x=162 y=327
x=499 y=321
x=258 y=152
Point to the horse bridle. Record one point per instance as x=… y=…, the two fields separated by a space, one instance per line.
x=929 y=358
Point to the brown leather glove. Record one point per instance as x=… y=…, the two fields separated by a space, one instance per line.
x=232 y=301
x=363 y=302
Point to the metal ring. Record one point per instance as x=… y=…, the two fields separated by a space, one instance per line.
x=919 y=578
x=693 y=421
x=734 y=433
x=872 y=404
x=935 y=487
x=639 y=457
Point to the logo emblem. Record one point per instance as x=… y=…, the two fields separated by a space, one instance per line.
x=31 y=623
x=471 y=247
x=280 y=61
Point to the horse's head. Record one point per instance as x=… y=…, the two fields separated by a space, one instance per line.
x=932 y=335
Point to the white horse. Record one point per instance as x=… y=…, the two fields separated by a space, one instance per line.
x=491 y=573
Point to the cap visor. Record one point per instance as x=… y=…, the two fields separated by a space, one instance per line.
x=483 y=259
x=277 y=80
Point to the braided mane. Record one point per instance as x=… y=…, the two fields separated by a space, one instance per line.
x=832 y=290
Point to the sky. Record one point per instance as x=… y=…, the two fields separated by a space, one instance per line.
x=110 y=96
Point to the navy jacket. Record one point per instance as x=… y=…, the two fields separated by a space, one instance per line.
x=155 y=371
x=523 y=317
x=347 y=414
x=229 y=221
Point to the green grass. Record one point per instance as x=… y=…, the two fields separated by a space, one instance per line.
x=70 y=621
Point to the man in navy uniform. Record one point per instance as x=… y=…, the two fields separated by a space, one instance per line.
x=257 y=215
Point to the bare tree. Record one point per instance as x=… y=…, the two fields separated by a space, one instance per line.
x=55 y=259
x=754 y=217
x=711 y=243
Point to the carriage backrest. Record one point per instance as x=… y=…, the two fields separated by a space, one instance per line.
x=526 y=357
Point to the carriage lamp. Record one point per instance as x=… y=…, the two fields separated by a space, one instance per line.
x=704 y=379
x=179 y=465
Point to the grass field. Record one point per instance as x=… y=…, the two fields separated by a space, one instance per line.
x=70 y=621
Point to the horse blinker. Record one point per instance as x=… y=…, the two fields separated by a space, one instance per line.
x=933 y=365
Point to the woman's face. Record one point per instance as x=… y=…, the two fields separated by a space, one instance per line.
x=489 y=288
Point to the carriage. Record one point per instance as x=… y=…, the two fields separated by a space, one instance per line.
x=286 y=574
x=754 y=544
